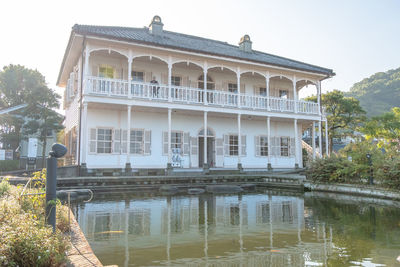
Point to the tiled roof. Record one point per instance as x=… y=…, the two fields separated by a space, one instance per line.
x=195 y=44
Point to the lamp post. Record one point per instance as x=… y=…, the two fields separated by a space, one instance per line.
x=371 y=178
x=57 y=151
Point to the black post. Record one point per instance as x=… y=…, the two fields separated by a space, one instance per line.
x=51 y=183
x=57 y=151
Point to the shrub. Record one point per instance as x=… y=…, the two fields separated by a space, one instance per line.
x=25 y=239
x=9 y=165
x=4 y=187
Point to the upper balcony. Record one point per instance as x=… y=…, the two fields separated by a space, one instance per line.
x=100 y=86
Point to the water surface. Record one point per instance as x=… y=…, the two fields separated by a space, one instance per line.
x=262 y=228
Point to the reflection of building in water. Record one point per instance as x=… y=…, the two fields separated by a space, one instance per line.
x=214 y=224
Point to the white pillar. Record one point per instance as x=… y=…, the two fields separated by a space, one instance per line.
x=169 y=136
x=84 y=132
x=238 y=87
x=129 y=76
x=267 y=90
x=205 y=139
x=320 y=138
x=205 y=83
x=313 y=140
x=86 y=69
x=170 y=81
x=319 y=96
x=269 y=138
x=294 y=94
x=128 y=126
x=326 y=138
x=239 y=139
x=296 y=144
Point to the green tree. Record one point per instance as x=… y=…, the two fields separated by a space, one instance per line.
x=344 y=114
x=385 y=128
x=20 y=85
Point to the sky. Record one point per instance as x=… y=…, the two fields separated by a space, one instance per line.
x=355 y=38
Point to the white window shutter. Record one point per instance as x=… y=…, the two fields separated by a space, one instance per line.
x=116 y=142
x=219 y=147
x=226 y=145
x=292 y=147
x=124 y=141
x=93 y=141
x=165 y=143
x=257 y=145
x=147 y=142
x=186 y=139
x=274 y=147
x=194 y=146
x=243 y=152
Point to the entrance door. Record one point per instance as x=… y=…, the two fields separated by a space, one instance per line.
x=210 y=151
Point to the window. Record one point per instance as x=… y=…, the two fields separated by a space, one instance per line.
x=233 y=145
x=104 y=140
x=261 y=143
x=176 y=80
x=232 y=87
x=138 y=76
x=176 y=140
x=137 y=142
x=210 y=82
x=106 y=72
x=284 y=146
x=283 y=94
x=263 y=91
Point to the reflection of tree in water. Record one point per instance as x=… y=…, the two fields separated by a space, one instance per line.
x=357 y=230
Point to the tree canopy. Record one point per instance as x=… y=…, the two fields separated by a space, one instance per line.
x=20 y=85
x=379 y=93
x=344 y=114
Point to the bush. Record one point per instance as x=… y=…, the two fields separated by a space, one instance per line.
x=25 y=239
x=9 y=165
x=4 y=187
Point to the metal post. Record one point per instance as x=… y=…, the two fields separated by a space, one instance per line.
x=57 y=151
x=51 y=183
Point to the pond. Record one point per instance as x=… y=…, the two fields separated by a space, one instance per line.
x=262 y=228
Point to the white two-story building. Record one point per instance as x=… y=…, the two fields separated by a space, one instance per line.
x=151 y=98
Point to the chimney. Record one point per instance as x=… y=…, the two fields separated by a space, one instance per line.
x=245 y=43
x=156 y=26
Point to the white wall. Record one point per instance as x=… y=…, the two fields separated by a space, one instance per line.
x=158 y=122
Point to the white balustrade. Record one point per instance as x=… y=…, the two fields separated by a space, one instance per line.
x=180 y=94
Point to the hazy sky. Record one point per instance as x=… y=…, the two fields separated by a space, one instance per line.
x=355 y=38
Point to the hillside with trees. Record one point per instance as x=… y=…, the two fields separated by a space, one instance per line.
x=379 y=93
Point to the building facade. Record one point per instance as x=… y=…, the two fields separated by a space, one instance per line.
x=151 y=98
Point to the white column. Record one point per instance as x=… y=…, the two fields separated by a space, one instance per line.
x=128 y=126
x=239 y=139
x=205 y=83
x=169 y=136
x=326 y=138
x=267 y=90
x=319 y=96
x=269 y=138
x=84 y=132
x=320 y=138
x=238 y=86
x=129 y=76
x=296 y=144
x=86 y=69
x=294 y=94
x=313 y=140
x=169 y=81
x=205 y=139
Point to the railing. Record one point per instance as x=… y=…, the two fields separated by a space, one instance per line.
x=179 y=94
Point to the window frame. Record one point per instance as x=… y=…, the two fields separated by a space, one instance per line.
x=286 y=148
x=136 y=142
x=107 y=67
x=137 y=71
x=231 y=146
x=104 y=141
x=262 y=147
x=173 y=77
